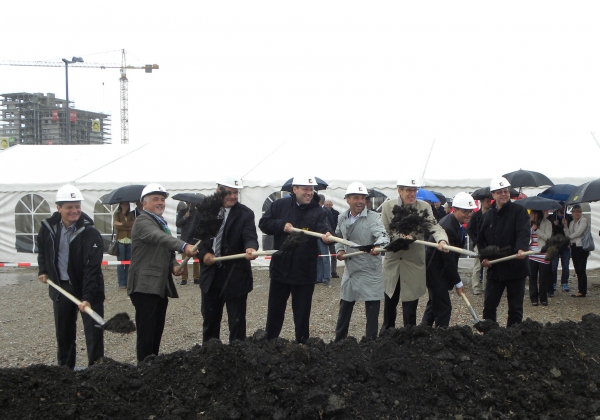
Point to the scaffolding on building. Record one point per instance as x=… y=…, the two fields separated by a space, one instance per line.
x=35 y=118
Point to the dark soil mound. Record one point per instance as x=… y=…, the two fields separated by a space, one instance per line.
x=529 y=371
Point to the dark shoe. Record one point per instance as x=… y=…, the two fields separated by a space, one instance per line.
x=335 y=276
x=578 y=295
x=544 y=303
x=534 y=303
x=550 y=294
x=196 y=281
x=183 y=282
x=565 y=287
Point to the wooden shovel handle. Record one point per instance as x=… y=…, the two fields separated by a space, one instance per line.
x=77 y=302
x=352 y=254
x=319 y=235
x=448 y=247
x=186 y=259
x=473 y=314
x=512 y=257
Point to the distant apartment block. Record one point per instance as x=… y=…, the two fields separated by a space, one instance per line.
x=35 y=118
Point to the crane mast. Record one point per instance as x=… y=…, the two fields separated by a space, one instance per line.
x=124 y=101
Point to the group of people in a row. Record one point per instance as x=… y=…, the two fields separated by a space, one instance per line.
x=71 y=251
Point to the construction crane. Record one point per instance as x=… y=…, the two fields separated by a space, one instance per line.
x=123 y=81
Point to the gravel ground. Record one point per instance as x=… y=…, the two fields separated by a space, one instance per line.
x=27 y=330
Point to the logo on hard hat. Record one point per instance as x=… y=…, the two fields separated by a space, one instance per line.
x=235 y=182
x=412 y=181
x=73 y=195
x=310 y=180
x=359 y=188
x=470 y=203
x=501 y=183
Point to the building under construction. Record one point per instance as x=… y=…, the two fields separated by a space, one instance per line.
x=35 y=118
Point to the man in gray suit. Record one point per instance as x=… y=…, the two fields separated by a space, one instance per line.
x=150 y=282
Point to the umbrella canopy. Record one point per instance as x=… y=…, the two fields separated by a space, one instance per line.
x=376 y=194
x=440 y=197
x=539 y=203
x=586 y=193
x=427 y=195
x=189 y=197
x=559 y=192
x=482 y=193
x=524 y=178
x=129 y=193
x=321 y=185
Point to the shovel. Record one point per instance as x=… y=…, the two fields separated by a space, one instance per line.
x=238 y=256
x=512 y=257
x=186 y=259
x=473 y=314
x=119 y=323
x=331 y=238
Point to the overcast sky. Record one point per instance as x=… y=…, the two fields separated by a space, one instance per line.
x=255 y=74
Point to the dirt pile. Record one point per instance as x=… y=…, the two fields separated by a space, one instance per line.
x=530 y=371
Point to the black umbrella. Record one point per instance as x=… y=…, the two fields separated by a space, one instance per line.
x=524 y=178
x=321 y=185
x=440 y=197
x=129 y=193
x=539 y=203
x=481 y=193
x=189 y=197
x=375 y=194
x=586 y=193
x=560 y=192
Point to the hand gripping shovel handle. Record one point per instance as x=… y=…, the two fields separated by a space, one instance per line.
x=448 y=247
x=77 y=302
x=473 y=314
x=352 y=254
x=238 y=256
x=512 y=257
x=186 y=259
x=319 y=235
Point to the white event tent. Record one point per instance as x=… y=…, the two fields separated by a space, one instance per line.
x=30 y=175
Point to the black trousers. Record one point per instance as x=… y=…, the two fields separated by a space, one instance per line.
x=301 y=306
x=439 y=306
x=543 y=273
x=345 y=314
x=150 y=315
x=515 y=293
x=65 y=322
x=580 y=258
x=409 y=310
x=212 y=311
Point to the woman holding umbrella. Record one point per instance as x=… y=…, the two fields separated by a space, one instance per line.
x=123 y=220
x=539 y=268
x=575 y=231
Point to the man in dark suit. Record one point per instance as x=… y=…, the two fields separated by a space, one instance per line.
x=153 y=264
x=442 y=267
x=228 y=283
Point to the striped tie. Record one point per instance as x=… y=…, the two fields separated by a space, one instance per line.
x=219 y=237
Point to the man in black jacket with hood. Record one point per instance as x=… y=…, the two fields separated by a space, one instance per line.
x=294 y=271
x=70 y=254
x=505 y=224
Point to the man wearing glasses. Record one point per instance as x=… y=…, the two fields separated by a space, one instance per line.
x=442 y=267
x=505 y=224
x=405 y=270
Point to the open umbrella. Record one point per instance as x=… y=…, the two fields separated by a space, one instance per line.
x=189 y=197
x=560 y=192
x=427 y=195
x=585 y=193
x=321 y=185
x=539 y=203
x=440 y=197
x=376 y=194
x=524 y=178
x=481 y=193
x=129 y=193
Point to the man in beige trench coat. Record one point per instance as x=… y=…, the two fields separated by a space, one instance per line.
x=404 y=271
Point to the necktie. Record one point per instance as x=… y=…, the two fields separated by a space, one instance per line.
x=219 y=237
x=462 y=233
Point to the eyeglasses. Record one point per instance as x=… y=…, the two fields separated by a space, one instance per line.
x=502 y=191
x=236 y=192
x=466 y=212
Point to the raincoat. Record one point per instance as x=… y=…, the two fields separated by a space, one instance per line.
x=363 y=276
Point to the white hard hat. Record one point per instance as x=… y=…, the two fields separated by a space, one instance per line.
x=230 y=182
x=406 y=182
x=68 y=193
x=499 y=183
x=154 y=189
x=463 y=200
x=304 y=181
x=356 y=188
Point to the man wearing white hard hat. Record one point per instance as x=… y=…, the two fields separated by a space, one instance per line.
x=153 y=264
x=294 y=272
x=228 y=283
x=404 y=271
x=70 y=252
x=442 y=267
x=363 y=276
x=505 y=224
